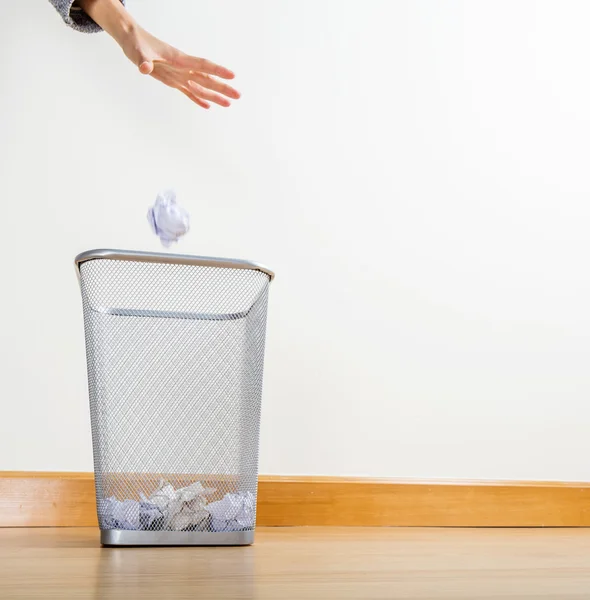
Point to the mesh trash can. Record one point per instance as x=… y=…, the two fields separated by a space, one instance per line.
x=175 y=353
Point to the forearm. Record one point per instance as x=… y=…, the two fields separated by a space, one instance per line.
x=112 y=16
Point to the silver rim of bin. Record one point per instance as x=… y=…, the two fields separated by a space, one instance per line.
x=175 y=351
x=172 y=259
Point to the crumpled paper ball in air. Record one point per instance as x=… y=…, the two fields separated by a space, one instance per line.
x=169 y=221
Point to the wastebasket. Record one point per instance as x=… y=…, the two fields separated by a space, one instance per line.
x=175 y=354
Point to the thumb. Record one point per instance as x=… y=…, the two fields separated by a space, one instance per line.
x=146 y=67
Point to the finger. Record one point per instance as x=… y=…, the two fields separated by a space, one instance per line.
x=146 y=67
x=215 y=85
x=205 y=66
x=195 y=99
x=205 y=94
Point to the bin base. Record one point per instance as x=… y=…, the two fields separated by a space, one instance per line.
x=119 y=537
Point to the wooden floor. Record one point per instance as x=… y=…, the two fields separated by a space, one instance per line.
x=326 y=563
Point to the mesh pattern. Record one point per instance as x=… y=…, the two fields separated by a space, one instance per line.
x=175 y=360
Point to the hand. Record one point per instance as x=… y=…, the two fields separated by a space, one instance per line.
x=196 y=78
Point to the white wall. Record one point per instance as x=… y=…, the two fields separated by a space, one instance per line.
x=415 y=172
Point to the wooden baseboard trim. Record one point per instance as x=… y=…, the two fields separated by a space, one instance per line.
x=45 y=499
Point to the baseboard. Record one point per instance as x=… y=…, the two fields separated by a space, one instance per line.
x=45 y=499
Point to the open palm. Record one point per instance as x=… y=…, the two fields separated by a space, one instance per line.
x=196 y=78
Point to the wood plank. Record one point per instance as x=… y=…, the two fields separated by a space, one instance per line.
x=304 y=564
x=30 y=499
x=294 y=501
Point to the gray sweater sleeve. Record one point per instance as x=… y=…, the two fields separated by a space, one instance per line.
x=75 y=17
